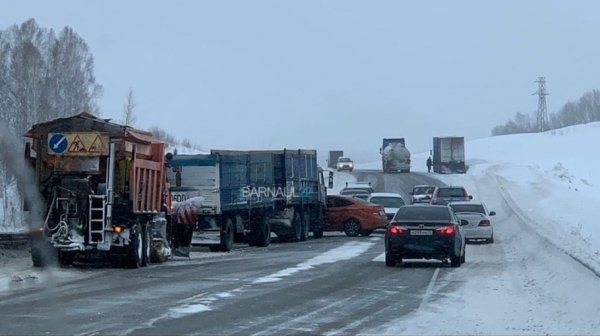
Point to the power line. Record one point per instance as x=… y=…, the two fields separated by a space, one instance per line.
x=542 y=112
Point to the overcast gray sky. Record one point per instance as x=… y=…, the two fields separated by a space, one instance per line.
x=329 y=74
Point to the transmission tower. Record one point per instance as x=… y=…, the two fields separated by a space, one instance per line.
x=542 y=112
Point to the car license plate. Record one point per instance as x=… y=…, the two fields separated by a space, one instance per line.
x=421 y=232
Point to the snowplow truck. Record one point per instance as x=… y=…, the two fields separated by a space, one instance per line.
x=105 y=192
x=243 y=196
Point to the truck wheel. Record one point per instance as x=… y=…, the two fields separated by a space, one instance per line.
x=239 y=236
x=318 y=233
x=305 y=225
x=297 y=224
x=136 y=249
x=65 y=258
x=42 y=253
x=263 y=234
x=352 y=228
x=147 y=245
x=227 y=235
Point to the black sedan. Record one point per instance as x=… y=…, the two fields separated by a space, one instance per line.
x=425 y=232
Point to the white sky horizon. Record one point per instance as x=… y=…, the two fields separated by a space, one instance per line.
x=329 y=75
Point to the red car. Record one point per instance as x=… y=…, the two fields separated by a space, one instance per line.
x=353 y=216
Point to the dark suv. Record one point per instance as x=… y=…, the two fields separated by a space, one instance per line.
x=447 y=194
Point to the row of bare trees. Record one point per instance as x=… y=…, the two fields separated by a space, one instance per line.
x=43 y=75
x=582 y=111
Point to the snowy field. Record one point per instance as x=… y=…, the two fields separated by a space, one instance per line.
x=541 y=276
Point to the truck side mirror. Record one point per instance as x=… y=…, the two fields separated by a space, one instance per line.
x=330 y=184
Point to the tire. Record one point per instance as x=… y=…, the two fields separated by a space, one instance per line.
x=390 y=261
x=135 y=254
x=262 y=233
x=43 y=254
x=214 y=248
x=239 y=236
x=491 y=240
x=365 y=233
x=305 y=225
x=65 y=258
x=455 y=261
x=464 y=257
x=352 y=228
x=318 y=234
x=147 y=245
x=227 y=235
x=297 y=223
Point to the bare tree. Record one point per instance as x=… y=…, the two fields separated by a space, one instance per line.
x=129 y=116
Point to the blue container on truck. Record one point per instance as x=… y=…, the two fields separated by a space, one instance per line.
x=246 y=195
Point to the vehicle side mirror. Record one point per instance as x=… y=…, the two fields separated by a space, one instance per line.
x=470 y=197
x=492 y=213
x=330 y=182
x=464 y=222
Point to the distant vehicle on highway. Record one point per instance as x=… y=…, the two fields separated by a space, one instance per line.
x=358 y=193
x=391 y=202
x=353 y=216
x=425 y=232
x=395 y=157
x=480 y=224
x=333 y=157
x=422 y=193
x=446 y=194
x=449 y=155
x=364 y=186
x=345 y=163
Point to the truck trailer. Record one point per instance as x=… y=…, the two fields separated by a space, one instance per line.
x=394 y=156
x=104 y=191
x=333 y=157
x=449 y=155
x=246 y=195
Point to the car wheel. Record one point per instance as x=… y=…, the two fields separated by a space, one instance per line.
x=390 y=261
x=463 y=258
x=318 y=233
x=352 y=228
x=455 y=261
x=491 y=240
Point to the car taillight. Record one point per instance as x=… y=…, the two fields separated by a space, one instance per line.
x=484 y=222
x=446 y=230
x=396 y=230
x=465 y=194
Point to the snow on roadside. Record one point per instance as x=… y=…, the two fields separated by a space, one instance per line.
x=536 y=278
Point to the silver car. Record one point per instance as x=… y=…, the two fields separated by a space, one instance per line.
x=422 y=193
x=390 y=201
x=480 y=223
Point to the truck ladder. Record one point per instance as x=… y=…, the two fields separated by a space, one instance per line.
x=97 y=218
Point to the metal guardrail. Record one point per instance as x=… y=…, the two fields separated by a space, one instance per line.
x=13 y=240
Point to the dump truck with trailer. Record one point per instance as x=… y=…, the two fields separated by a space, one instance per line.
x=449 y=155
x=394 y=156
x=333 y=157
x=104 y=189
x=246 y=195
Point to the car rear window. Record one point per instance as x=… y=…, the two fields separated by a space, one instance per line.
x=388 y=202
x=452 y=192
x=422 y=213
x=478 y=208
